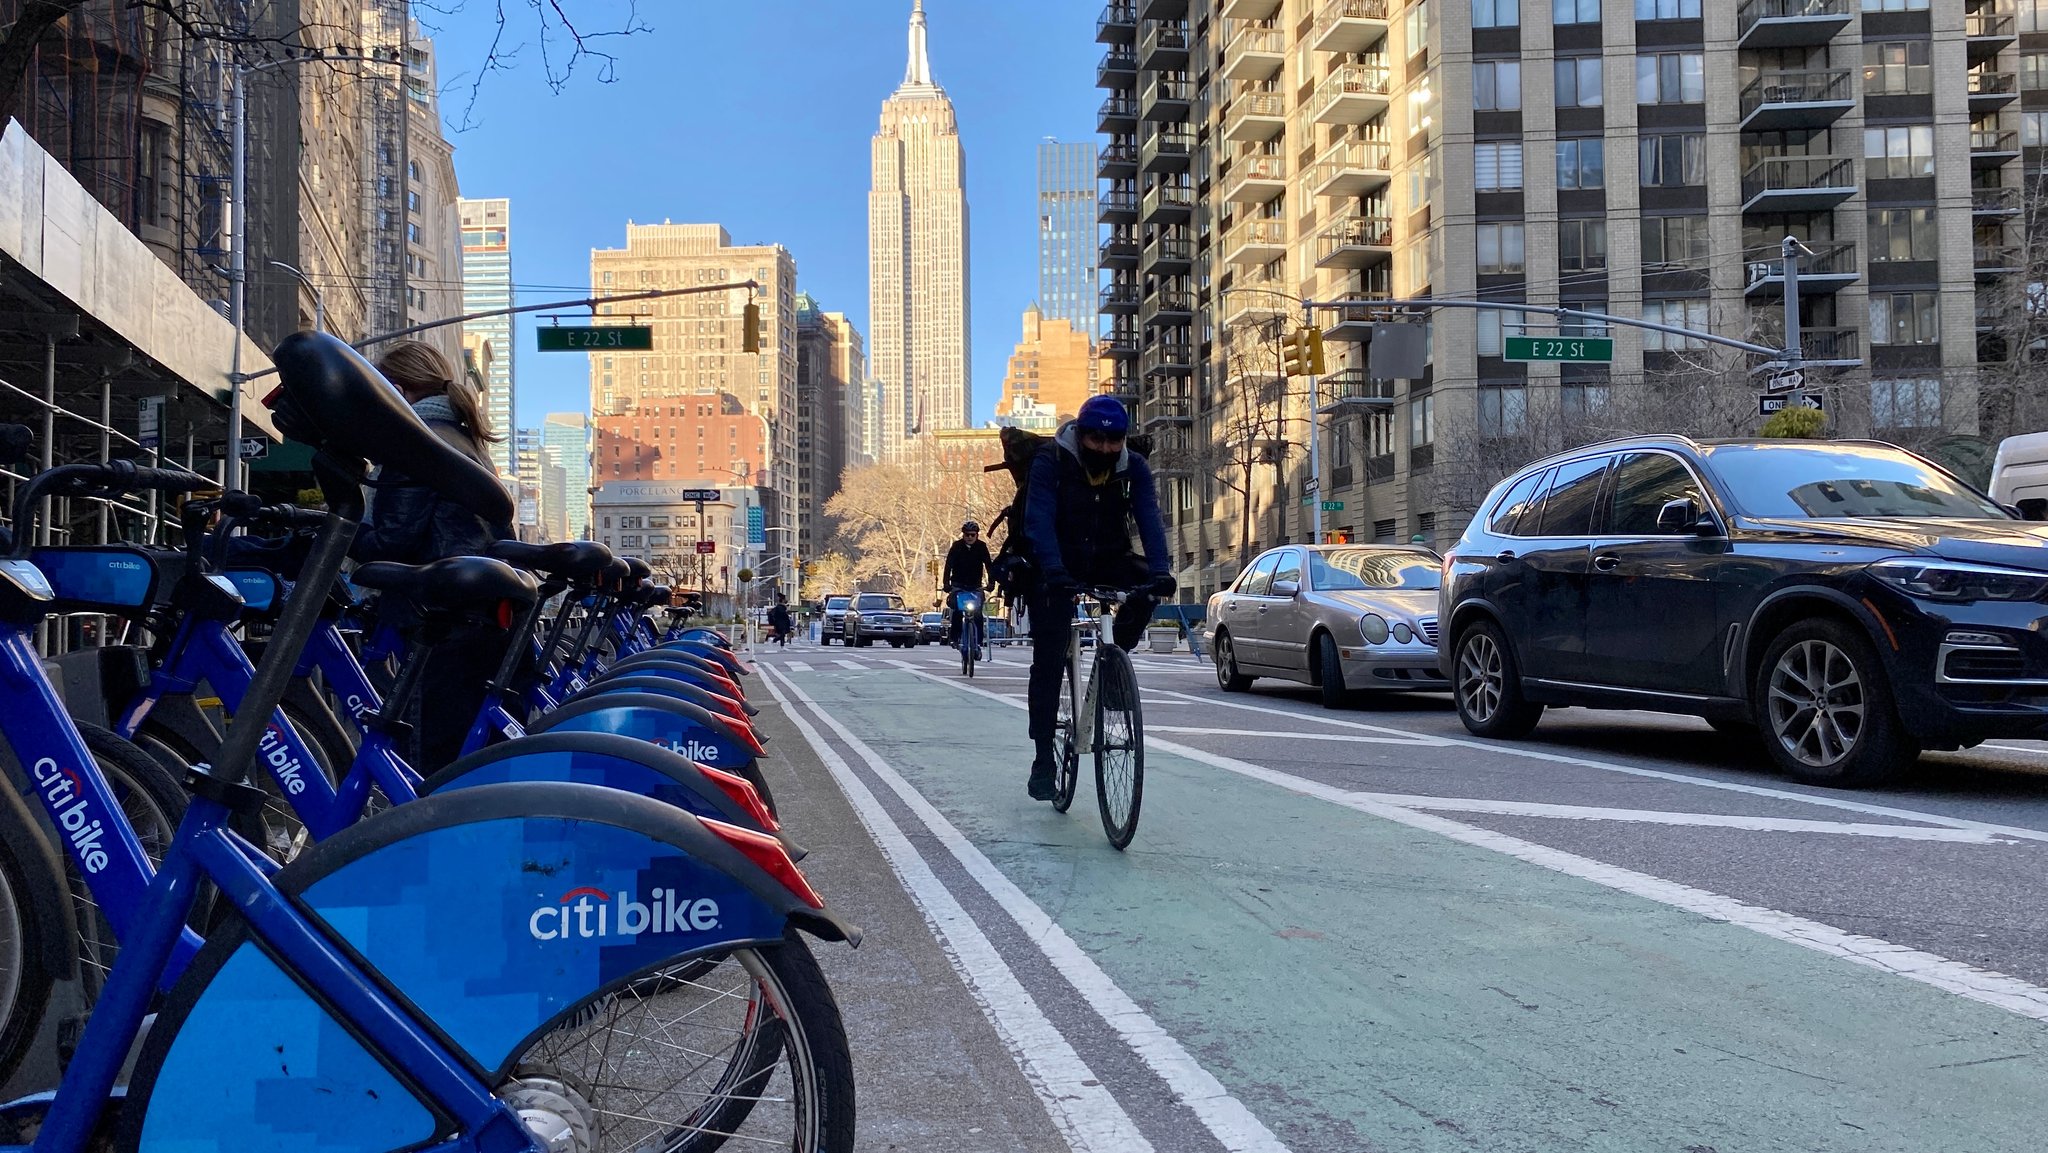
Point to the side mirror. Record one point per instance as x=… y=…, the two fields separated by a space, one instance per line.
x=1681 y=517
x=1286 y=588
x=2034 y=508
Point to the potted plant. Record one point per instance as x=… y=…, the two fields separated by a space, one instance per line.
x=1164 y=633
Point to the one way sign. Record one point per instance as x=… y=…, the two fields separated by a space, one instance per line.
x=1766 y=403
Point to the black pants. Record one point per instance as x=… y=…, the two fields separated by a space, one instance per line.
x=1052 y=629
x=457 y=675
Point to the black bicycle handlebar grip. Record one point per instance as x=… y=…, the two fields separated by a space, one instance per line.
x=170 y=480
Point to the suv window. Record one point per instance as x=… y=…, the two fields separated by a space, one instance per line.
x=1289 y=568
x=1644 y=482
x=880 y=603
x=1259 y=577
x=837 y=604
x=1519 y=500
x=1574 y=493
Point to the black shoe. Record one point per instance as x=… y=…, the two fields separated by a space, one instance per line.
x=1041 y=786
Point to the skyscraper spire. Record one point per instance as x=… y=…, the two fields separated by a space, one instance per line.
x=918 y=73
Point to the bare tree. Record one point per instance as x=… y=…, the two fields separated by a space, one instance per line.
x=1246 y=433
x=2013 y=317
x=897 y=517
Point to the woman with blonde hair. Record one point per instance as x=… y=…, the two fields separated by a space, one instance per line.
x=410 y=523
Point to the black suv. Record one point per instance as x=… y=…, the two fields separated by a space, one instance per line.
x=1849 y=601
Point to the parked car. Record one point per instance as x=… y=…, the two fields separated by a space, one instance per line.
x=832 y=619
x=1850 y=602
x=932 y=626
x=2019 y=474
x=1340 y=617
x=883 y=617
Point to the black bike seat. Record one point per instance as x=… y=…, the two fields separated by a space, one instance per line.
x=331 y=398
x=649 y=596
x=638 y=570
x=458 y=582
x=574 y=559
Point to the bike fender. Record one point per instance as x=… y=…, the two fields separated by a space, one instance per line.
x=740 y=727
x=734 y=664
x=666 y=721
x=680 y=675
x=44 y=871
x=692 y=669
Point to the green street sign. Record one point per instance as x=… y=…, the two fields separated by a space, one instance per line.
x=1588 y=349
x=1333 y=506
x=606 y=338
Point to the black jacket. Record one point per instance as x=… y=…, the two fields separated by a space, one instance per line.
x=967 y=565
x=1081 y=531
x=411 y=523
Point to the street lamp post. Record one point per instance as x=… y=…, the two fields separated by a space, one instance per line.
x=319 y=301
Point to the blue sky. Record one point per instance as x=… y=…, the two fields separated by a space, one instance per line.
x=757 y=115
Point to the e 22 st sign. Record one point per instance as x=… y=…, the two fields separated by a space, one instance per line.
x=1585 y=349
x=598 y=338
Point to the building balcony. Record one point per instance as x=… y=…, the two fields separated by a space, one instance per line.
x=1355 y=242
x=1118 y=159
x=1991 y=260
x=1776 y=101
x=1993 y=148
x=1118 y=114
x=1165 y=152
x=1168 y=204
x=1838 y=347
x=1117 y=206
x=1992 y=90
x=1831 y=268
x=1120 y=252
x=1987 y=33
x=1995 y=201
x=1250 y=9
x=1118 y=68
x=1164 y=48
x=1119 y=299
x=1120 y=344
x=1255 y=116
x=1352 y=323
x=1166 y=100
x=1255 y=242
x=1763 y=24
x=1118 y=23
x=1162 y=9
x=1349 y=25
x=1168 y=308
x=1781 y=184
x=1256 y=177
x=1169 y=256
x=1167 y=359
x=1354 y=386
x=1166 y=409
x=1254 y=54
x=1353 y=169
x=1353 y=94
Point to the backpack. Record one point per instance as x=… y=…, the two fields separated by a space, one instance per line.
x=1014 y=570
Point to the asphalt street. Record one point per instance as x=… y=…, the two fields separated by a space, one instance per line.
x=1365 y=929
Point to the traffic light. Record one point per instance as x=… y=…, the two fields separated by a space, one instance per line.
x=1302 y=352
x=750 y=328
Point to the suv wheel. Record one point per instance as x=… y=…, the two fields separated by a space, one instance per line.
x=1825 y=710
x=1488 y=686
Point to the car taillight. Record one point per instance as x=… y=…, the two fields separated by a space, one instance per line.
x=768 y=853
x=1444 y=568
x=743 y=793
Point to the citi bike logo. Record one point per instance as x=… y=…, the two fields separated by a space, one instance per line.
x=66 y=797
x=357 y=706
x=591 y=912
x=283 y=765
x=696 y=750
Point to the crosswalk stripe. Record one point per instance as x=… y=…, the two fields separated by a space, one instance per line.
x=856 y=666
x=799 y=666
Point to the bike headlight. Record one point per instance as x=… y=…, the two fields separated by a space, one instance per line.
x=1374 y=628
x=970 y=604
x=1958 y=581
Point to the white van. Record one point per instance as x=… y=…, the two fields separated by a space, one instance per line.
x=2019 y=474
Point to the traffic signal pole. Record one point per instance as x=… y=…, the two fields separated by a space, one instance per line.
x=1315 y=433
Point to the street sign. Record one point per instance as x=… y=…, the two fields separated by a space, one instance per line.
x=706 y=547
x=1766 y=403
x=150 y=422
x=1785 y=382
x=253 y=448
x=1584 y=349
x=596 y=338
x=702 y=495
x=757 y=525
x=1333 y=506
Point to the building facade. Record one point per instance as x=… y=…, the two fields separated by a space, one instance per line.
x=567 y=437
x=486 y=286
x=830 y=368
x=702 y=440
x=429 y=244
x=653 y=521
x=918 y=305
x=1053 y=365
x=1066 y=233
x=1642 y=158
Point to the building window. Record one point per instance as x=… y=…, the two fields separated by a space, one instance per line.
x=2033 y=16
x=1672 y=9
x=1582 y=163
x=1907 y=6
x=1905 y=318
x=2033 y=70
x=1674 y=242
x=1899 y=68
x=1501 y=248
x=1575 y=11
x=1582 y=400
x=1581 y=245
x=1671 y=78
x=1497 y=166
x=1688 y=314
x=1503 y=410
x=1578 y=82
x=1496 y=85
x=631 y=541
x=1496 y=13
x=1900 y=152
x=1898 y=404
x=412 y=168
x=412 y=233
x=1421 y=419
x=2033 y=129
x=1903 y=234
x=1674 y=161
x=412 y=202
x=1486 y=339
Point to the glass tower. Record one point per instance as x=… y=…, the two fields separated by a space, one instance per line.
x=1066 y=233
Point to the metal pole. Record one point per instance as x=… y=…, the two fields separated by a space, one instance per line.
x=238 y=114
x=1315 y=438
x=106 y=451
x=49 y=428
x=1793 y=353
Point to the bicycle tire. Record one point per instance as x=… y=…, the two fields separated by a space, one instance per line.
x=144 y=788
x=1067 y=774
x=24 y=981
x=1119 y=746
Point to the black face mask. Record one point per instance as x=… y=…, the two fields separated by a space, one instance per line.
x=1096 y=462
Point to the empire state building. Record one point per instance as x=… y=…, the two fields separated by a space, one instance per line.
x=917 y=257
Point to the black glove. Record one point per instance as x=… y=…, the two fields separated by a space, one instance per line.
x=1164 y=586
x=1057 y=584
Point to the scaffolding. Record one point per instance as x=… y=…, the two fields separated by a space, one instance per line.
x=386 y=160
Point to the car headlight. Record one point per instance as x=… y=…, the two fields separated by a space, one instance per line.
x=1403 y=633
x=1948 y=580
x=1374 y=628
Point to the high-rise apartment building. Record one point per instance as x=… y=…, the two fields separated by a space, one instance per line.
x=917 y=256
x=423 y=231
x=531 y=461
x=830 y=367
x=1642 y=158
x=1053 y=364
x=487 y=285
x=1066 y=233
x=567 y=439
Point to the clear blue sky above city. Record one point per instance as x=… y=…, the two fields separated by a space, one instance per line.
x=757 y=116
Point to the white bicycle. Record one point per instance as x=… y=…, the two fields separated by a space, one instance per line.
x=1104 y=718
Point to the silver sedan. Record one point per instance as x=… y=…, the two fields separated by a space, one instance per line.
x=1341 y=617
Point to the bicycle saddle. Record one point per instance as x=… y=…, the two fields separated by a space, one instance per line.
x=613 y=576
x=638 y=570
x=649 y=596
x=331 y=398
x=574 y=559
x=458 y=582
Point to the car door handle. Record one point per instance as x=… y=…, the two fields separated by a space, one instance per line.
x=1606 y=562
x=1506 y=556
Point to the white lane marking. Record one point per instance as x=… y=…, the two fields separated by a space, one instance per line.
x=1345 y=738
x=1963 y=980
x=1659 y=817
x=2029 y=750
x=856 y=666
x=1233 y=1125
x=798 y=666
x=1536 y=754
x=1081 y=1107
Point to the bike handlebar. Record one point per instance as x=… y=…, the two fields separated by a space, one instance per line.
x=101 y=480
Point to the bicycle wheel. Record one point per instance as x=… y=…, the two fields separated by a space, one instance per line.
x=1065 y=746
x=1119 y=745
x=749 y=1051
x=153 y=802
x=24 y=983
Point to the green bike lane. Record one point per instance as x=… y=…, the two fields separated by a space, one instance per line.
x=1358 y=983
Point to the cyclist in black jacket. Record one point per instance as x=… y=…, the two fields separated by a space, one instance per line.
x=967 y=565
